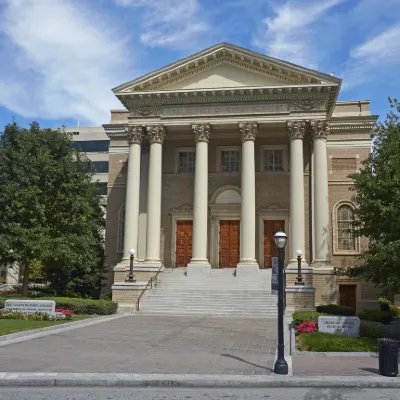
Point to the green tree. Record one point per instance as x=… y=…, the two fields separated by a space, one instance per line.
x=377 y=201
x=49 y=210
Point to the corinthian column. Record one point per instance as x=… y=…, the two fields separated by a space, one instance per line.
x=296 y=130
x=200 y=205
x=248 y=260
x=135 y=134
x=320 y=130
x=156 y=138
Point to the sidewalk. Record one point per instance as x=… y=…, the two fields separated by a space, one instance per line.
x=317 y=365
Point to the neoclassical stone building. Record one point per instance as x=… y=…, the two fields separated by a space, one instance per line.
x=216 y=152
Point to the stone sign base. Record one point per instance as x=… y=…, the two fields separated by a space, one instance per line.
x=300 y=298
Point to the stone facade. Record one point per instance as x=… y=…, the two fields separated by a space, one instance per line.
x=296 y=143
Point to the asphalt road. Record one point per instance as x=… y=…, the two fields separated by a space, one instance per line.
x=75 y=393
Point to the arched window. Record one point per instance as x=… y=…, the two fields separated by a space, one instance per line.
x=344 y=220
x=121 y=230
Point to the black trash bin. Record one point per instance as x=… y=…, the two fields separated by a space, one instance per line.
x=388 y=357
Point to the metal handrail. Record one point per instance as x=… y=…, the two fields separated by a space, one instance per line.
x=152 y=282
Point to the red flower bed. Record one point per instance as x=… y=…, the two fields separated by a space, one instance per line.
x=64 y=311
x=307 y=327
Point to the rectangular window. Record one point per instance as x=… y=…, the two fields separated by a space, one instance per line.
x=91 y=146
x=187 y=161
x=273 y=160
x=100 y=167
x=344 y=164
x=230 y=161
x=101 y=188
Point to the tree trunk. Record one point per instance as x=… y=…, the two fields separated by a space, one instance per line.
x=25 y=282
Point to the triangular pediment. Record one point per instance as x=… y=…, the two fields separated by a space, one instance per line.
x=224 y=75
x=225 y=66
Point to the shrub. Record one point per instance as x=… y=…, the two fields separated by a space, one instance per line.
x=302 y=316
x=372 y=329
x=335 y=309
x=307 y=327
x=385 y=317
x=79 y=306
x=384 y=304
x=321 y=341
x=395 y=310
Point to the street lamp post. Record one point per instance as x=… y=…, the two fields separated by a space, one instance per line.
x=299 y=280
x=131 y=277
x=281 y=366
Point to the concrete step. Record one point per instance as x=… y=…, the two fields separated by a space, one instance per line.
x=219 y=293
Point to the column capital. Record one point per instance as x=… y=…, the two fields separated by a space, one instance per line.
x=201 y=132
x=134 y=133
x=319 y=129
x=156 y=133
x=296 y=129
x=248 y=130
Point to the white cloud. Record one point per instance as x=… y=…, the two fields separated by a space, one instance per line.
x=62 y=61
x=380 y=53
x=170 y=23
x=290 y=35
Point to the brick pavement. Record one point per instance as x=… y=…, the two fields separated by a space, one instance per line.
x=152 y=344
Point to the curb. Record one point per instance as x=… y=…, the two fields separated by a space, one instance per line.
x=50 y=330
x=191 y=381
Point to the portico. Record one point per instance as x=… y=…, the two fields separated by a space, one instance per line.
x=216 y=152
x=233 y=202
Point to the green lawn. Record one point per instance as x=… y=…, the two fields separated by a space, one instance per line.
x=326 y=342
x=8 y=326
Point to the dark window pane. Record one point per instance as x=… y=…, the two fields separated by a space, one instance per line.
x=230 y=161
x=187 y=161
x=101 y=188
x=100 y=166
x=91 y=146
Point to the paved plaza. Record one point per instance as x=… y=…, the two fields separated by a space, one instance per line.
x=152 y=344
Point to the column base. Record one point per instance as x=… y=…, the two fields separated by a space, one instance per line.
x=156 y=264
x=293 y=265
x=322 y=264
x=300 y=298
x=247 y=268
x=198 y=267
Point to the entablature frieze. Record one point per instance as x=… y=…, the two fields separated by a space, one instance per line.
x=278 y=106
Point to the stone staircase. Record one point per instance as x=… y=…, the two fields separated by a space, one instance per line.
x=219 y=293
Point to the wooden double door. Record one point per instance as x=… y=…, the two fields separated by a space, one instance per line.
x=348 y=296
x=270 y=249
x=229 y=243
x=184 y=234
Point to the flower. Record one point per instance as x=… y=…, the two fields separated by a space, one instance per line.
x=307 y=327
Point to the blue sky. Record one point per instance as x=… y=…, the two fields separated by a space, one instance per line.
x=60 y=58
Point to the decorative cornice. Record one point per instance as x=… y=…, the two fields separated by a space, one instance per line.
x=156 y=133
x=296 y=129
x=319 y=129
x=201 y=132
x=185 y=207
x=307 y=104
x=135 y=134
x=272 y=207
x=348 y=127
x=248 y=131
x=267 y=69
